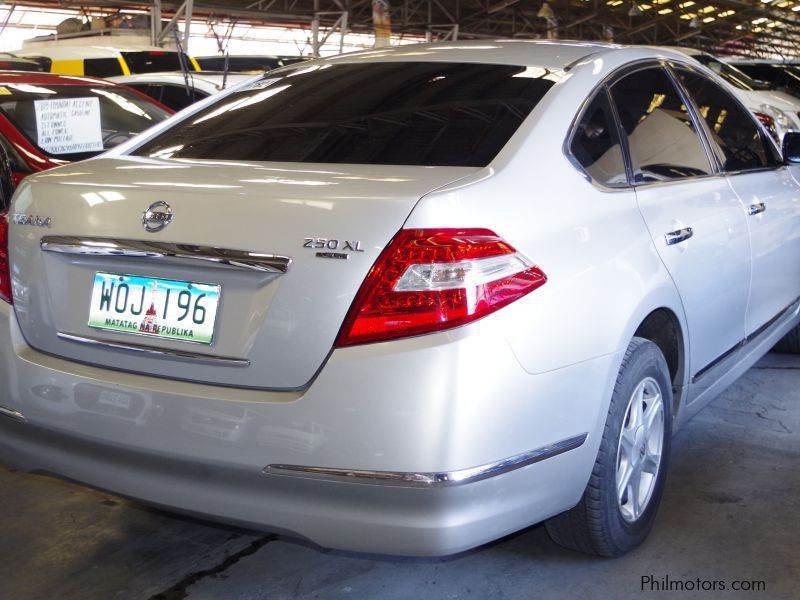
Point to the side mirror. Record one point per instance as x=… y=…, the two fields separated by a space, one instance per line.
x=791 y=147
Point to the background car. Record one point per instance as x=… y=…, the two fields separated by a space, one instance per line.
x=105 y=61
x=780 y=76
x=418 y=299
x=122 y=113
x=176 y=90
x=9 y=62
x=779 y=111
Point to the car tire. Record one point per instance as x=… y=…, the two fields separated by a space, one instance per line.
x=790 y=343
x=634 y=448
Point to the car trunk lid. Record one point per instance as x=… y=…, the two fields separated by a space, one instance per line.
x=286 y=247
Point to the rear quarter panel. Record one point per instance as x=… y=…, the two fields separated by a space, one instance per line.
x=604 y=275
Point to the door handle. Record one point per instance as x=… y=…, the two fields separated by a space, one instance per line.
x=678 y=236
x=756 y=208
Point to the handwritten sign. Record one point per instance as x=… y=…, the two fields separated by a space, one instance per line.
x=69 y=125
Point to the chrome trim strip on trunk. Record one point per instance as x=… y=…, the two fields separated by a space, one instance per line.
x=429 y=480
x=226 y=361
x=12 y=414
x=97 y=246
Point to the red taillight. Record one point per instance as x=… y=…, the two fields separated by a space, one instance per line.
x=765 y=119
x=769 y=125
x=157 y=53
x=5 y=266
x=427 y=280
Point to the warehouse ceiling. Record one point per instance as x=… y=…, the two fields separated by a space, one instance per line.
x=726 y=27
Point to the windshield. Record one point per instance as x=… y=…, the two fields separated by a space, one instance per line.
x=415 y=113
x=75 y=122
x=729 y=73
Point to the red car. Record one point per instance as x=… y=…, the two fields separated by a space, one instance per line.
x=47 y=120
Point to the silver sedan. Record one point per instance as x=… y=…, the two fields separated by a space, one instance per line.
x=407 y=300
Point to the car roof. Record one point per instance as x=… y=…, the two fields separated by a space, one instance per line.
x=212 y=76
x=543 y=53
x=38 y=78
x=78 y=52
x=209 y=82
x=684 y=50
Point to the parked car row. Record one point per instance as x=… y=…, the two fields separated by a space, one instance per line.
x=777 y=110
x=402 y=303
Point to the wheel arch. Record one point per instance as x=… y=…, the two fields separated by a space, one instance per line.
x=665 y=329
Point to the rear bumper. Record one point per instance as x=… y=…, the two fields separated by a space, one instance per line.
x=426 y=406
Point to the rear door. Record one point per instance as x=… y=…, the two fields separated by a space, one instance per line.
x=769 y=195
x=695 y=220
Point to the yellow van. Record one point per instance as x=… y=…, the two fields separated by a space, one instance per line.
x=105 y=61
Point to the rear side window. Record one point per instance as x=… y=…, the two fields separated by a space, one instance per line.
x=102 y=67
x=446 y=114
x=595 y=144
x=734 y=132
x=663 y=142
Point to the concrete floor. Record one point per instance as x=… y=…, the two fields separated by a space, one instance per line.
x=731 y=512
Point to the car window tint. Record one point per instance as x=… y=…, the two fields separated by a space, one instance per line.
x=595 y=144
x=102 y=67
x=393 y=113
x=177 y=97
x=662 y=139
x=734 y=131
x=153 y=61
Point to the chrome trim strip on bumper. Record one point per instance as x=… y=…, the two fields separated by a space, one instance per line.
x=96 y=246
x=429 y=480
x=193 y=356
x=12 y=414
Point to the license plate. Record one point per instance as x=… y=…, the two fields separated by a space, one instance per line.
x=161 y=308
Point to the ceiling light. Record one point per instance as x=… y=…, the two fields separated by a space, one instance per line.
x=665 y=11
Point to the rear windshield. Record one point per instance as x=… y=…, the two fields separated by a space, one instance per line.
x=432 y=114
x=9 y=63
x=239 y=64
x=74 y=122
x=153 y=61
